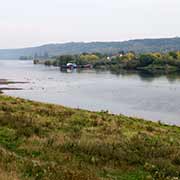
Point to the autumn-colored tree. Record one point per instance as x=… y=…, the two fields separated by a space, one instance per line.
x=89 y=57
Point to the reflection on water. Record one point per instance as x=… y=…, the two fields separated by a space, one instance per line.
x=138 y=94
x=148 y=76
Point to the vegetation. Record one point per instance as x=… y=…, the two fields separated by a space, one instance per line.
x=152 y=62
x=82 y=59
x=44 y=141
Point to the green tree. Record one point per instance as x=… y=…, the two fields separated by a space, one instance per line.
x=173 y=54
x=146 y=59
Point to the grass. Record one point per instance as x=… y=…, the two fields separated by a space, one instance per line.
x=7 y=176
x=43 y=141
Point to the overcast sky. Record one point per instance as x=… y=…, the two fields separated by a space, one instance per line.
x=26 y=23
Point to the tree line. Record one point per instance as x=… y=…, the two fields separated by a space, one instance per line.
x=130 y=61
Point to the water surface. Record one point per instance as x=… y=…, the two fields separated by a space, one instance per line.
x=140 y=95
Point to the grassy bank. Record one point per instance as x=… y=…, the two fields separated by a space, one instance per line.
x=44 y=141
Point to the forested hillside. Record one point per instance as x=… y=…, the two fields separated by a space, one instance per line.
x=138 y=46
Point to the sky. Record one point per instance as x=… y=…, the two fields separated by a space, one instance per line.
x=26 y=23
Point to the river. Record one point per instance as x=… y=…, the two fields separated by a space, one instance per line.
x=132 y=94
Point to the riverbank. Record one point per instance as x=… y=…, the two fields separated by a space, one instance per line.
x=45 y=141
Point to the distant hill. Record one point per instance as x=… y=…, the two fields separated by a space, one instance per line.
x=138 y=46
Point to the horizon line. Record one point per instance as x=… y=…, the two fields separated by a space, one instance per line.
x=93 y=41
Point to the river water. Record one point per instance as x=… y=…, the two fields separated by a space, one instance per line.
x=132 y=94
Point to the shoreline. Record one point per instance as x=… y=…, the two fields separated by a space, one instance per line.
x=7 y=82
x=160 y=122
x=139 y=116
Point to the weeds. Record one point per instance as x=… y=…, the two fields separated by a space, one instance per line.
x=43 y=141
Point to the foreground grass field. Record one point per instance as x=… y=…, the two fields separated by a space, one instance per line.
x=44 y=141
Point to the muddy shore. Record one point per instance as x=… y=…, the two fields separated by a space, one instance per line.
x=6 y=82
